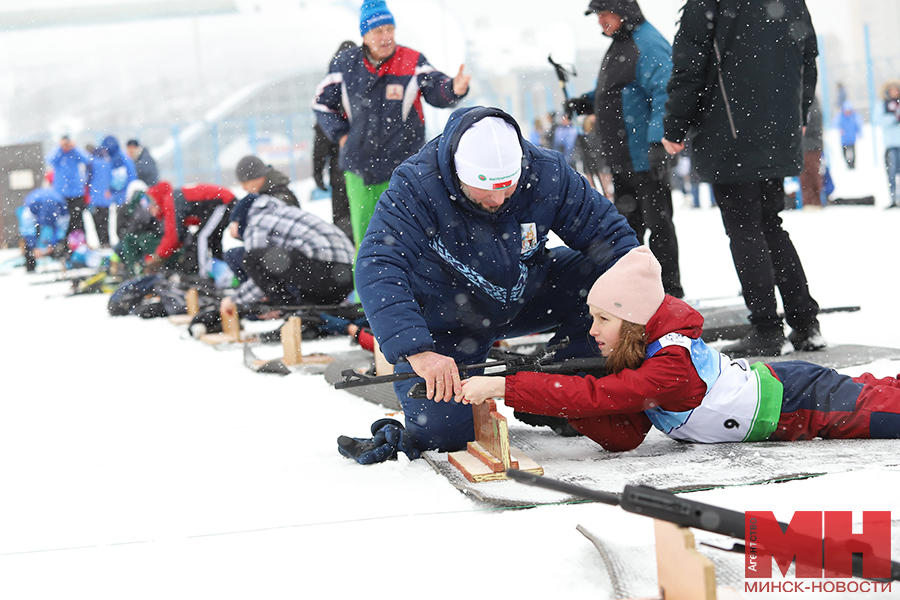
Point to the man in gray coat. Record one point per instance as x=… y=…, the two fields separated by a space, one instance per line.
x=743 y=79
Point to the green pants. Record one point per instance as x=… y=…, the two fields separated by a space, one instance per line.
x=362 y=199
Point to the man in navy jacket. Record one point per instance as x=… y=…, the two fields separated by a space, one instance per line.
x=370 y=104
x=457 y=257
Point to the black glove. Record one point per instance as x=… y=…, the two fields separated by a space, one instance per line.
x=660 y=162
x=389 y=438
x=579 y=106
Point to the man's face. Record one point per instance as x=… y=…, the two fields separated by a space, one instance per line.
x=132 y=151
x=66 y=144
x=488 y=200
x=380 y=42
x=609 y=21
x=252 y=186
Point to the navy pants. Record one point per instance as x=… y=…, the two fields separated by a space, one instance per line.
x=820 y=402
x=560 y=305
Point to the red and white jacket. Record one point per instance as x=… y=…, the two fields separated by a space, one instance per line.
x=380 y=109
x=610 y=409
x=163 y=194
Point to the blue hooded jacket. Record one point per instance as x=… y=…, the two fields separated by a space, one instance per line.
x=100 y=179
x=47 y=206
x=123 y=170
x=68 y=171
x=433 y=261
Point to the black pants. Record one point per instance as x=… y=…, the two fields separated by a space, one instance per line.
x=340 y=204
x=850 y=155
x=647 y=204
x=212 y=216
x=764 y=255
x=288 y=276
x=76 y=218
x=100 y=214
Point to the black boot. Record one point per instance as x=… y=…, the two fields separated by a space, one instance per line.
x=759 y=342
x=807 y=339
x=560 y=425
x=30 y=260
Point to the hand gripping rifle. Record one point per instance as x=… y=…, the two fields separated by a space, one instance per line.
x=666 y=506
x=540 y=363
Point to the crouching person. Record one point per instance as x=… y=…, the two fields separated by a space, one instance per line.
x=291 y=256
x=204 y=205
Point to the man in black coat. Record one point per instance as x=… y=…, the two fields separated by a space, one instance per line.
x=144 y=164
x=743 y=79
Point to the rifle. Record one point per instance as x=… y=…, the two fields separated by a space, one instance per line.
x=666 y=506
x=540 y=363
x=345 y=311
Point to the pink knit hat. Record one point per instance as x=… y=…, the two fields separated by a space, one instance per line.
x=631 y=289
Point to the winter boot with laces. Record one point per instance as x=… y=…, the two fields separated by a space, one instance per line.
x=759 y=342
x=807 y=339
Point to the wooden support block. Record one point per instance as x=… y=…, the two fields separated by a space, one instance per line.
x=683 y=573
x=488 y=457
x=291 y=340
x=492 y=431
x=192 y=300
x=231 y=330
x=382 y=366
x=231 y=326
x=476 y=471
x=493 y=463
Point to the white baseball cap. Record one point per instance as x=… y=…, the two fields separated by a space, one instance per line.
x=489 y=155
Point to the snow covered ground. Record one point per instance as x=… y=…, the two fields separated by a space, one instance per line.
x=139 y=463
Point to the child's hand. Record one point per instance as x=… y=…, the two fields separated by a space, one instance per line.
x=476 y=390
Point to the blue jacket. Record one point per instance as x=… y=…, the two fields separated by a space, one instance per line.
x=432 y=261
x=99 y=181
x=630 y=97
x=849 y=124
x=380 y=110
x=68 y=171
x=47 y=206
x=886 y=117
x=123 y=171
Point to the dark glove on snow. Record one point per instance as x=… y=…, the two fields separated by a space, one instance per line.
x=660 y=162
x=579 y=106
x=333 y=325
x=389 y=438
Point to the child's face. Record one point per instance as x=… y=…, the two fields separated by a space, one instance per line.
x=605 y=330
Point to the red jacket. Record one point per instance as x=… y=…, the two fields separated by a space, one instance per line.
x=609 y=410
x=162 y=193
